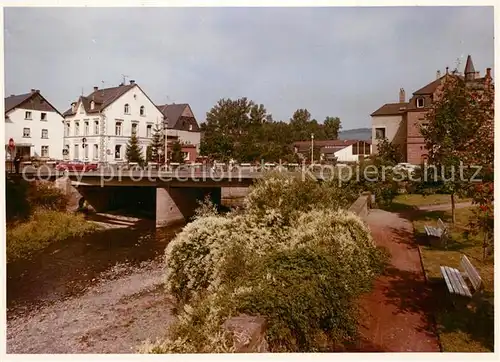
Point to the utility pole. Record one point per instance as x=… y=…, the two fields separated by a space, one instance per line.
x=312 y=148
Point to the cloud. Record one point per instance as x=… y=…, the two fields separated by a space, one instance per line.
x=342 y=62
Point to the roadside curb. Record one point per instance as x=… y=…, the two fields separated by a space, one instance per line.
x=433 y=314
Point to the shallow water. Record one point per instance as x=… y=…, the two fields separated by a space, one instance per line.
x=97 y=294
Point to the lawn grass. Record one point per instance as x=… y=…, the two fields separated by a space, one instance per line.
x=43 y=228
x=460 y=329
x=420 y=200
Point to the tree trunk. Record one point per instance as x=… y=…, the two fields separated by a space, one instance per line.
x=453 y=219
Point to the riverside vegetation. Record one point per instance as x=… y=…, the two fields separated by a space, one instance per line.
x=36 y=217
x=293 y=255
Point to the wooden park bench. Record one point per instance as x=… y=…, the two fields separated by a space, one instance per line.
x=440 y=232
x=456 y=281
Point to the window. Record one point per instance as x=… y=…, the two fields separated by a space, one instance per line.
x=66 y=152
x=134 y=129
x=86 y=128
x=66 y=129
x=45 y=133
x=420 y=102
x=118 y=129
x=379 y=133
x=92 y=105
x=86 y=151
x=141 y=111
x=77 y=149
x=96 y=127
x=27 y=115
x=185 y=156
x=26 y=133
x=126 y=109
x=45 y=151
x=148 y=130
x=190 y=127
x=77 y=128
x=95 y=152
x=43 y=116
x=118 y=151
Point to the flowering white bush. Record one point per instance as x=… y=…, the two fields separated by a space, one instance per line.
x=292 y=256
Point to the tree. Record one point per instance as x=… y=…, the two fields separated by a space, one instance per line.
x=331 y=126
x=388 y=153
x=156 y=148
x=460 y=113
x=134 y=152
x=177 y=155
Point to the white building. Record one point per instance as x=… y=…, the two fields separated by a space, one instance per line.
x=99 y=126
x=339 y=150
x=35 y=126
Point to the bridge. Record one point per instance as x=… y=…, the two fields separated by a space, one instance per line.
x=173 y=195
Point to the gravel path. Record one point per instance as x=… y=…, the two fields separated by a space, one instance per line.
x=123 y=308
x=397 y=313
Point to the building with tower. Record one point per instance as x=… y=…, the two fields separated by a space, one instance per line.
x=400 y=122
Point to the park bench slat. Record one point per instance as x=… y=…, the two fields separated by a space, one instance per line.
x=461 y=284
x=452 y=276
x=444 y=272
x=471 y=272
x=455 y=279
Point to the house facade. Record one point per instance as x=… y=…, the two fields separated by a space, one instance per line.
x=401 y=122
x=182 y=126
x=98 y=127
x=35 y=126
x=339 y=150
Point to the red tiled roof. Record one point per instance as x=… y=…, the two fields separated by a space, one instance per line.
x=173 y=115
x=14 y=101
x=328 y=145
x=102 y=98
x=390 y=109
x=172 y=112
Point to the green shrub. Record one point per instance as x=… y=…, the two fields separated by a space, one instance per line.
x=43 y=228
x=303 y=277
x=290 y=196
x=23 y=197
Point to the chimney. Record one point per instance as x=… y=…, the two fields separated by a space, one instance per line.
x=402 y=96
x=438 y=74
x=33 y=90
x=96 y=88
x=488 y=72
x=132 y=81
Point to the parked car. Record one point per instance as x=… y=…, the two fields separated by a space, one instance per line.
x=76 y=166
x=405 y=166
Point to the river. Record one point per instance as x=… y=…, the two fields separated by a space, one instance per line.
x=102 y=293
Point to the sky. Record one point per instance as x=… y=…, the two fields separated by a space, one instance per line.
x=340 y=62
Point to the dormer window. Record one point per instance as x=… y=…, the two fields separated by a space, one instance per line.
x=73 y=107
x=92 y=105
x=141 y=111
x=126 y=109
x=420 y=102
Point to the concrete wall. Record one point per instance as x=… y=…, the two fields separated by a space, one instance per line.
x=15 y=122
x=395 y=130
x=175 y=205
x=362 y=205
x=249 y=333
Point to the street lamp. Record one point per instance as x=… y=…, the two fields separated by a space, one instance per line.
x=312 y=148
x=166 y=142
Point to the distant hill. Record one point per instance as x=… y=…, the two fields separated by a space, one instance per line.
x=356 y=134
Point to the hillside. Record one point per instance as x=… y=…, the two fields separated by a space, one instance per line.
x=356 y=134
